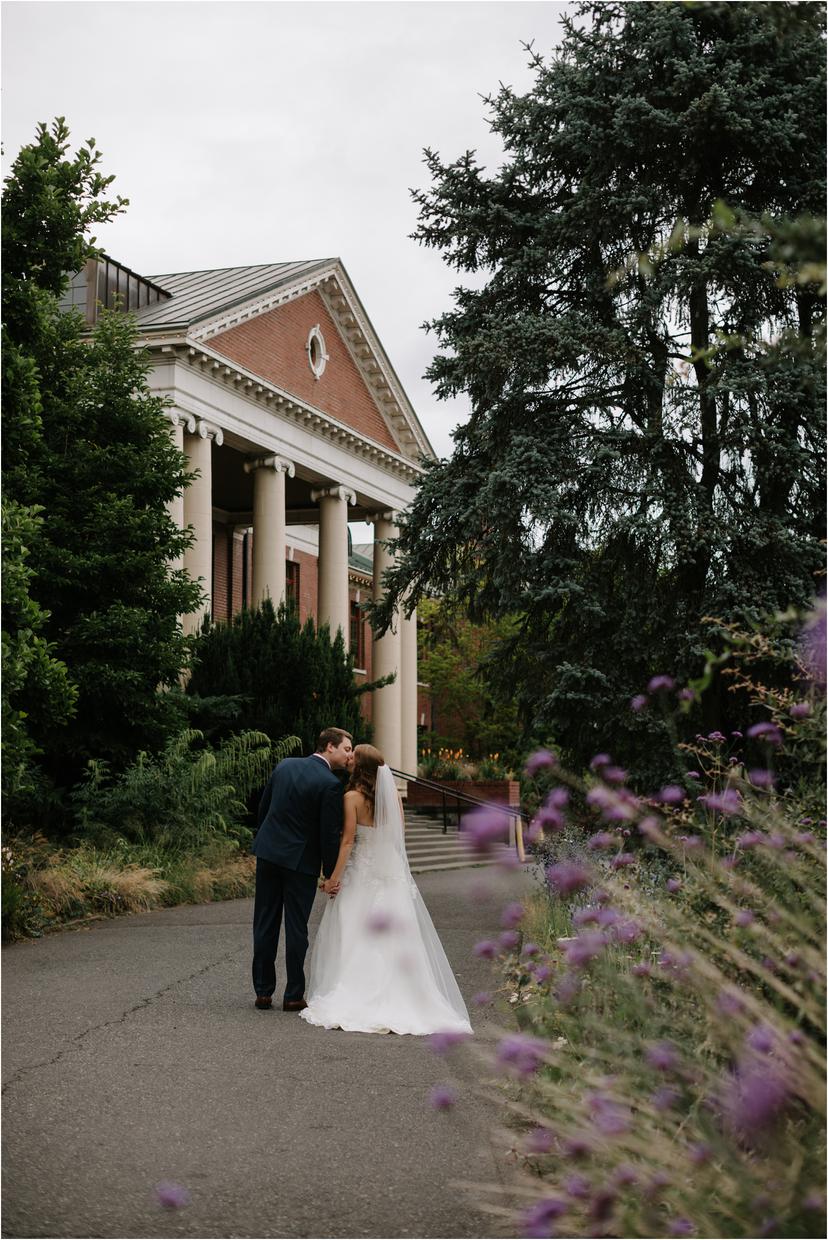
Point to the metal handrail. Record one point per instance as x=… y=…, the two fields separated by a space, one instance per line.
x=511 y=811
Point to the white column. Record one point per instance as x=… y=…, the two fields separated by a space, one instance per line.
x=333 y=603
x=198 y=512
x=408 y=678
x=178 y=422
x=269 y=527
x=387 y=651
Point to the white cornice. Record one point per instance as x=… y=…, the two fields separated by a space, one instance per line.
x=253 y=387
x=362 y=342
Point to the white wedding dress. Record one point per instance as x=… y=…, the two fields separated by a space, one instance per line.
x=377 y=964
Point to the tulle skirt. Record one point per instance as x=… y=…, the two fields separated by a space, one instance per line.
x=378 y=965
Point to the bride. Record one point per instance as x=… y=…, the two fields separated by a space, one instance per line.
x=377 y=964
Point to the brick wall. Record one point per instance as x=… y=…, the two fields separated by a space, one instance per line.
x=274 y=345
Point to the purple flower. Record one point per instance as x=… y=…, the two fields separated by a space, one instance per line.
x=622 y=861
x=675 y=963
x=538 y=1219
x=662 y=1056
x=627 y=932
x=693 y=775
x=767 y=732
x=665 y=1098
x=171 y=1196
x=761 y=1039
x=610 y=1117
x=549 y=818
x=699 y=1154
x=729 y=1003
x=754 y=1097
x=649 y=827
x=801 y=710
x=568 y=989
x=379 y=922
x=814 y=1201
x=579 y=951
x=673 y=885
x=577 y=1186
x=749 y=839
x=522 y=1054
x=601 y=839
x=509 y=940
x=512 y=915
x=483 y=828
x=744 y=917
x=681 y=1227
x=642 y=969
x=607 y=916
x=445 y=1040
x=540 y=760
x=600 y=759
x=671 y=794
x=530 y=949
x=738 y=735
x=638 y=702
x=624 y=1175
x=567 y=877
x=813 y=642
x=761 y=778
x=661 y=684
x=717 y=737
x=584 y=917
x=602 y=1204
x=539 y=1141
x=442 y=1097
x=485 y=949
x=614 y=774
x=687 y=695
x=577 y=1147
x=558 y=798
x=727 y=803
x=543 y=972
x=482 y=998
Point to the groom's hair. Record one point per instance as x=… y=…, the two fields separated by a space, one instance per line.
x=332 y=736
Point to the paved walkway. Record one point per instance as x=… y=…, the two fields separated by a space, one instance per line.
x=132 y=1054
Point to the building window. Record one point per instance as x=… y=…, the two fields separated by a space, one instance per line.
x=357 y=635
x=317 y=353
x=292 y=583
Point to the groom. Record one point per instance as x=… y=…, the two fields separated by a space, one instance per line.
x=300 y=822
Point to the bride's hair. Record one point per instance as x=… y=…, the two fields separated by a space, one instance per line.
x=367 y=761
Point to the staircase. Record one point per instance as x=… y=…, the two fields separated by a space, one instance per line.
x=429 y=849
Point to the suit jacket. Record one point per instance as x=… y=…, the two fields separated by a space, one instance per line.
x=300 y=817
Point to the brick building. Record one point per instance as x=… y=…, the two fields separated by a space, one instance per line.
x=284 y=401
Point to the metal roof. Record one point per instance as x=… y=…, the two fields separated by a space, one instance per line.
x=198 y=295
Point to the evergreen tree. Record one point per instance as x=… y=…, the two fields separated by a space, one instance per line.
x=644 y=447
x=287 y=678
x=88 y=445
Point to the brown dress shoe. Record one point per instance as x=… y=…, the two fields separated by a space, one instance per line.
x=294 y=1005
x=264 y=1003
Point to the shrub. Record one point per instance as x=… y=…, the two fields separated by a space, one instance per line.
x=182 y=798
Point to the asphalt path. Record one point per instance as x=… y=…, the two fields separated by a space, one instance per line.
x=133 y=1055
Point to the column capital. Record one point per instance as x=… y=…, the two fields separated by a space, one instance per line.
x=279 y=464
x=178 y=418
x=334 y=492
x=373 y=518
x=207 y=430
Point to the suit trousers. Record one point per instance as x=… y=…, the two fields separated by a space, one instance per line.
x=281 y=892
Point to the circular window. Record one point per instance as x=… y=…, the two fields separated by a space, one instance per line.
x=317 y=353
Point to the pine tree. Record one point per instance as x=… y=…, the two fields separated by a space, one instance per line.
x=286 y=678
x=644 y=447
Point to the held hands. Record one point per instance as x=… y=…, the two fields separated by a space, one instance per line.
x=330 y=886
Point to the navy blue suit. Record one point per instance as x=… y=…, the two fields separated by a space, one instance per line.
x=300 y=824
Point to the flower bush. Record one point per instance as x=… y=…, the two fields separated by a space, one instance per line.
x=668 y=981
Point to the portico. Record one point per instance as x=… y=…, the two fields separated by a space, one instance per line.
x=284 y=466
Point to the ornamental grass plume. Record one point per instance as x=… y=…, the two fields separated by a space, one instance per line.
x=669 y=1077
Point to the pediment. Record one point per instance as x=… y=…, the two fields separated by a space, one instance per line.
x=313 y=339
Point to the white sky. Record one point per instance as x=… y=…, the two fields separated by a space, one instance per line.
x=270 y=131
